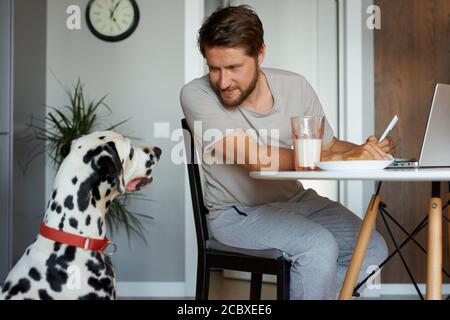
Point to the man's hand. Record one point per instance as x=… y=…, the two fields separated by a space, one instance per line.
x=367 y=151
x=387 y=145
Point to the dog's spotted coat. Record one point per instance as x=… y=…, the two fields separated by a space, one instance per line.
x=97 y=168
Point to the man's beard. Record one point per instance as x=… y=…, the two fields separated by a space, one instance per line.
x=243 y=93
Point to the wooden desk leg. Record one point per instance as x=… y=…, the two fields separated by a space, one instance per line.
x=434 y=257
x=359 y=253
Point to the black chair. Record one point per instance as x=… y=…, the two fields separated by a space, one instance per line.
x=213 y=254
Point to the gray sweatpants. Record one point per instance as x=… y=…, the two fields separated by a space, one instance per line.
x=317 y=234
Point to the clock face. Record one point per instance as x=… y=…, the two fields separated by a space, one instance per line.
x=112 y=20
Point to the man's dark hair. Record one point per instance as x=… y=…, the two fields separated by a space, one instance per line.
x=232 y=26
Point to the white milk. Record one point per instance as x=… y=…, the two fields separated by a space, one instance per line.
x=308 y=152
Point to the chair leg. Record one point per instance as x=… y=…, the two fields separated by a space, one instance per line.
x=283 y=279
x=206 y=287
x=255 y=286
x=202 y=279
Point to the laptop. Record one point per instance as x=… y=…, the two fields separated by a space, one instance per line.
x=436 y=142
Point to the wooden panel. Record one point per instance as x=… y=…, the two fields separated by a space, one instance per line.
x=412 y=54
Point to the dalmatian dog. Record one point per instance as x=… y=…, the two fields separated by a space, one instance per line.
x=68 y=260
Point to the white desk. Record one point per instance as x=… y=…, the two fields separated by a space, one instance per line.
x=376 y=175
x=435 y=238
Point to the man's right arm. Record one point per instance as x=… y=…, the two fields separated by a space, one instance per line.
x=242 y=149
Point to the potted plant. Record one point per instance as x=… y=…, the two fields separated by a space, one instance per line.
x=78 y=118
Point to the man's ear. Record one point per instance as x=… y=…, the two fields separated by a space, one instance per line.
x=261 y=54
x=65 y=149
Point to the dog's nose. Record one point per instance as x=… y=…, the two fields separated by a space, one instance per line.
x=157 y=152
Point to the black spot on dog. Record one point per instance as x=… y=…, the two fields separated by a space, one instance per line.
x=73 y=223
x=27 y=252
x=146 y=150
x=56 y=246
x=102 y=137
x=74 y=180
x=104 y=284
x=107 y=204
x=88 y=220
x=109 y=267
x=93 y=202
x=92 y=153
x=79 y=147
x=58 y=209
x=61 y=224
x=43 y=295
x=131 y=153
x=34 y=274
x=57 y=268
x=21 y=287
x=148 y=172
x=6 y=287
x=48 y=204
x=53 y=207
x=100 y=226
x=95 y=268
x=90 y=296
x=108 y=192
x=148 y=164
x=68 y=202
x=105 y=167
x=84 y=193
x=96 y=193
x=54 y=195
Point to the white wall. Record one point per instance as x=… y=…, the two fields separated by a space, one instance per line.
x=356 y=94
x=142 y=76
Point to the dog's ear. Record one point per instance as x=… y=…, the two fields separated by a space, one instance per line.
x=65 y=149
x=109 y=166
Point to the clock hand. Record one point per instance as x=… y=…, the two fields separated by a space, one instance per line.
x=116 y=6
x=111 y=16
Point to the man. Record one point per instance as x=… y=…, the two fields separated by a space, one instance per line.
x=236 y=98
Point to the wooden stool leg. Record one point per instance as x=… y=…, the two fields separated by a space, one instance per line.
x=434 y=257
x=359 y=253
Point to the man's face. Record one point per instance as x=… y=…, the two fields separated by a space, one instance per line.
x=232 y=73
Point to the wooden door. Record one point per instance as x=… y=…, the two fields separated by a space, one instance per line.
x=412 y=54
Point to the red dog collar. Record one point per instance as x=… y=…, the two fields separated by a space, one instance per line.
x=76 y=240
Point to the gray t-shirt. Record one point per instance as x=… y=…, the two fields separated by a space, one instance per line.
x=226 y=185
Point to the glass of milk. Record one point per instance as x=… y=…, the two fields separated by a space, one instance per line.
x=307 y=134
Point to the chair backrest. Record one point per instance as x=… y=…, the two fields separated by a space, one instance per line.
x=199 y=208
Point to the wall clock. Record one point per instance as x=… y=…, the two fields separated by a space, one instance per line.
x=112 y=20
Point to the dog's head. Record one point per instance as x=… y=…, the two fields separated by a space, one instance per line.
x=107 y=161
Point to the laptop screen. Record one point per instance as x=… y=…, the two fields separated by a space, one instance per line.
x=436 y=143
